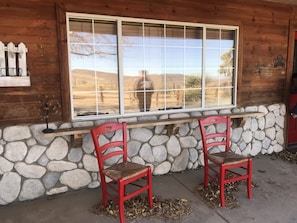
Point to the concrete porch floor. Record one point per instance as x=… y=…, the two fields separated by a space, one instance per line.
x=274 y=200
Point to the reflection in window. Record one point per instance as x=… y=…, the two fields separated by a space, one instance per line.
x=123 y=67
x=93 y=65
x=219 y=67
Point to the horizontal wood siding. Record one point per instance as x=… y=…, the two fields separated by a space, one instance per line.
x=264 y=29
x=34 y=23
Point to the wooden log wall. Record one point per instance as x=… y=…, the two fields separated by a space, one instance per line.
x=264 y=30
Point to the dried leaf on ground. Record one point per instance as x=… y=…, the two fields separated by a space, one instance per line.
x=286 y=155
x=167 y=209
x=211 y=194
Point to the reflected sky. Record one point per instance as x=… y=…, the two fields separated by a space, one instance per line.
x=156 y=48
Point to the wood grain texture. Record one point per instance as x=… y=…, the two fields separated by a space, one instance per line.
x=264 y=31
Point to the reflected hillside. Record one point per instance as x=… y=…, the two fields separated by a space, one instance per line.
x=181 y=92
x=85 y=79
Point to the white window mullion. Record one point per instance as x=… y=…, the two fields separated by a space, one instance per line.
x=165 y=68
x=120 y=66
x=70 y=68
x=184 y=69
x=203 y=67
x=235 y=68
x=143 y=47
x=94 y=55
x=219 y=79
x=144 y=65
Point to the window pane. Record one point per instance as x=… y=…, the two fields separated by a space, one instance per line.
x=83 y=80
x=154 y=59
x=130 y=99
x=193 y=72
x=212 y=58
x=211 y=97
x=107 y=81
x=174 y=57
x=94 y=67
x=194 y=37
x=172 y=97
x=83 y=52
x=228 y=38
x=132 y=33
x=227 y=63
x=84 y=103
x=80 y=31
x=174 y=81
x=143 y=91
x=212 y=38
x=175 y=36
x=193 y=57
x=133 y=59
x=147 y=96
x=193 y=94
x=105 y=32
x=225 y=96
x=211 y=77
x=108 y=101
x=153 y=34
x=159 y=101
x=193 y=81
x=145 y=53
x=193 y=98
x=106 y=59
x=132 y=50
x=226 y=81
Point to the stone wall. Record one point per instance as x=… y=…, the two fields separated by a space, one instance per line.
x=32 y=165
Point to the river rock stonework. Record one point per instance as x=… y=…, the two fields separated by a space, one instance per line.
x=34 y=165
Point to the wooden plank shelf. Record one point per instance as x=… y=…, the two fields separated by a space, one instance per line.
x=76 y=131
x=69 y=131
x=176 y=121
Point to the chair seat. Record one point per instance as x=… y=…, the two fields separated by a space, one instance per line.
x=124 y=170
x=227 y=158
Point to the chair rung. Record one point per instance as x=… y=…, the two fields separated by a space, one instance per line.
x=136 y=185
x=134 y=193
x=234 y=172
x=115 y=199
x=213 y=170
x=244 y=177
x=111 y=186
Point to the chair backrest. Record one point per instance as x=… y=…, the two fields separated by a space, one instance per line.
x=109 y=148
x=215 y=132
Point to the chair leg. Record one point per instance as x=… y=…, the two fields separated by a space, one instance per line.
x=121 y=212
x=104 y=194
x=206 y=174
x=249 y=180
x=121 y=202
x=222 y=186
x=149 y=191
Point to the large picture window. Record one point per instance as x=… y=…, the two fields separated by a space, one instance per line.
x=124 y=66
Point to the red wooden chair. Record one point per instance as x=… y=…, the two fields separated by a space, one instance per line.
x=223 y=165
x=122 y=173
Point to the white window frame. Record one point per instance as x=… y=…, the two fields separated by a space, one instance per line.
x=120 y=70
